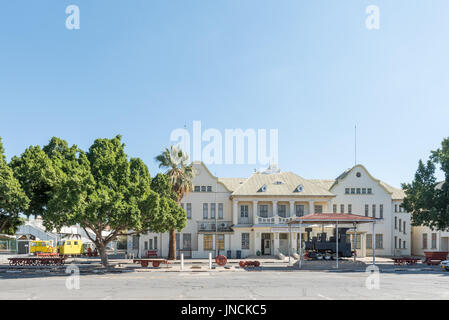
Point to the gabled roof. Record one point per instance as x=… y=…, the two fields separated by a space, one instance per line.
x=396 y=193
x=324 y=183
x=219 y=180
x=282 y=183
x=232 y=183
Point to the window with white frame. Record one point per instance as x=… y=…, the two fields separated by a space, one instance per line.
x=369 y=241
x=334 y=208
x=282 y=210
x=263 y=210
x=349 y=208
x=187 y=241
x=245 y=241
x=244 y=211
x=318 y=208
x=189 y=210
x=374 y=211
x=212 y=210
x=220 y=211
x=381 y=211
x=379 y=241
x=342 y=208
x=207 y=242
x=434 y=241
x=205 y=210
x=299 y=210
x=366 y=210
x=220 y=242
x=424 y=240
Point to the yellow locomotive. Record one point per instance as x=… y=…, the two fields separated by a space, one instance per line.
x=70 y=247
x=41 y=246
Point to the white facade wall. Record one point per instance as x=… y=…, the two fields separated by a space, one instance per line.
x=379 y=196
x=441 y=242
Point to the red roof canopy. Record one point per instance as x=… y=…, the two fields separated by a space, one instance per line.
x=332 y=218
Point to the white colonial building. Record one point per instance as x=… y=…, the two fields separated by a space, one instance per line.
x=248 y=216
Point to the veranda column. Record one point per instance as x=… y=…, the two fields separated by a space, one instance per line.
x=255 y=218
x=292 y=208
x=275 y=211
x=311 y=206
x=276 y=243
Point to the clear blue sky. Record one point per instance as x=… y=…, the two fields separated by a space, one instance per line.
x=310 y=69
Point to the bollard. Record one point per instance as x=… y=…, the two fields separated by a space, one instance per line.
x=182 y=261
x=210 y=260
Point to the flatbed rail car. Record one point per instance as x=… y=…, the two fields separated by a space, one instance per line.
x=405 y=260
x=37 y=261
x=154 y=262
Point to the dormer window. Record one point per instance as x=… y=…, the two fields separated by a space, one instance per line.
x=278 y=182
x=263 y=188
x=299 y=188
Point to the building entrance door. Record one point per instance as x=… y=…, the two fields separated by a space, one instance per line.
x=266 y=243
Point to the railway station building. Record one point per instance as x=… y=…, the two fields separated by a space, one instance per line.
x=249 y=216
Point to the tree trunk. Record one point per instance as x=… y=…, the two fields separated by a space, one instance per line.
x=102 y=251
x=172 y=245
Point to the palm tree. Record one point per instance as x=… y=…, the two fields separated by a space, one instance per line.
x=181 y=174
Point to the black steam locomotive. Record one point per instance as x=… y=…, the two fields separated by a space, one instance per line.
x=321 y=248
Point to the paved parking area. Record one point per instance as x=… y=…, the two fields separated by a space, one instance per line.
x=329 y=285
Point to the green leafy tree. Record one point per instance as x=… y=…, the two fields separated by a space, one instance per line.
x=104 y=191
x=35 y=171
x=13 y=199
x=101 y=190
x=180 y=175
x=426 y=199
x=161 y=184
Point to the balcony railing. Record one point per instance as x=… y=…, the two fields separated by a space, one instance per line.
x=274 y=220
x=267 y=220
x=285 y=220
x=212 y=226
x=244 y=220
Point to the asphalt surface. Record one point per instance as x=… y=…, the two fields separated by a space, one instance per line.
x=406 y=284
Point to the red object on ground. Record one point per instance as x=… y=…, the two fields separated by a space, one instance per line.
x=244 y=264
x=405 y=260
x=36 y=261
x=433 y=256
x=221 y=260
x=47 y=254
x=155 y=262
x=151 y=254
